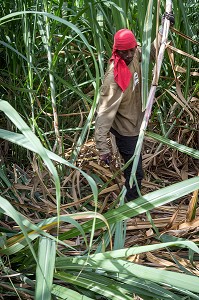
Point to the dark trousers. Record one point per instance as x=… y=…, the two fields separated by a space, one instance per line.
x=126 y=146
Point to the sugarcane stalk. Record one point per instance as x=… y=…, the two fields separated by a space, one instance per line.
x=52 y=90
x=150 y=99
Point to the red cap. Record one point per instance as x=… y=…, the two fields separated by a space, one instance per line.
x=124 y=39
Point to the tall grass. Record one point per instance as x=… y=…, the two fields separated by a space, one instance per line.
x=53 y=57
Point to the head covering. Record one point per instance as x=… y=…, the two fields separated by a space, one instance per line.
x=124 y=39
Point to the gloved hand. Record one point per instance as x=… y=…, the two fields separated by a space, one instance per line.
x=106 y=158
x=168 y=16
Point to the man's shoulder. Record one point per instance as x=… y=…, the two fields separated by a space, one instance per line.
x=136 y=60
x=138 y=53
x=110 y=68
x=109 y=74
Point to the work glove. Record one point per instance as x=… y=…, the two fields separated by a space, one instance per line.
x=168 y=16
x=106 y=158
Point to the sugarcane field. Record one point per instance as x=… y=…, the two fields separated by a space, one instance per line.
x=99 y=150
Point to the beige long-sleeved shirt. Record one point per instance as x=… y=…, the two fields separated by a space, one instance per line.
x=120 y=110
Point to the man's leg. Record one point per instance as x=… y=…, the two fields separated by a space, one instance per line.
x=132 y=193
x=126 y=146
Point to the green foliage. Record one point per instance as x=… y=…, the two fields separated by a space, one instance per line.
x=53 y=55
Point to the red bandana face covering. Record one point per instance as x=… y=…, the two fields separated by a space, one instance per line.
x=124 y=39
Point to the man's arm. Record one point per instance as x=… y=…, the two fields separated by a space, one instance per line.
x=156 y=43
x=110 y=99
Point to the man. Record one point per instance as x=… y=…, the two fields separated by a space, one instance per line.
x=120 y=105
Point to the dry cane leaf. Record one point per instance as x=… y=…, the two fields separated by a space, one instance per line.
x=159 y=261
x=149 y=232
x=173 y=219
x=182 y=52
x=184 y=35
x=189 y=225
x=192 y=207
x=136 y=259
x=180 y=102
x=105 y=171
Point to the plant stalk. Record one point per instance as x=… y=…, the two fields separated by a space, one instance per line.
x=151 y=95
